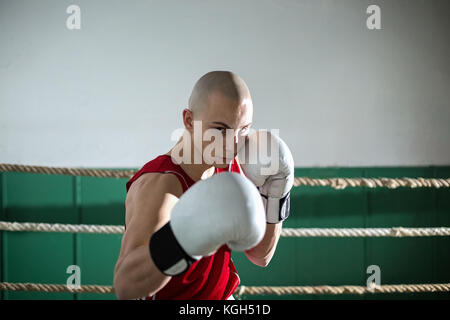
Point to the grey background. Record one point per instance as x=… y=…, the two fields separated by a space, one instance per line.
x=112 y=93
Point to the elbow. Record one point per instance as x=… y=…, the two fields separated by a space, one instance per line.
x=260 y=261
x=117 y=287
x=263 y=262
x=124 y=293
x=125 y=288
x=120 y=291
x=120 y=294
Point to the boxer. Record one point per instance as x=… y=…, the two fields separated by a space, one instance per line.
x=183 y=218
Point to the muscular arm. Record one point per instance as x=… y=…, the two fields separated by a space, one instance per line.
x=263 y=252
x=148 y=206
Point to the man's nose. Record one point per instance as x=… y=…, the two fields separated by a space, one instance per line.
x=230 y=145
x=236 y=138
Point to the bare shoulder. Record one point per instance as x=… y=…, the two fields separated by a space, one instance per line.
x=149 y=203
x=156 y=182
x=152 y=196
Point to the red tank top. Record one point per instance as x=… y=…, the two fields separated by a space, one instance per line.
x=210 y=278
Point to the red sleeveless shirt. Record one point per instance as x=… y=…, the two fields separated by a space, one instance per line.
x=210 y=278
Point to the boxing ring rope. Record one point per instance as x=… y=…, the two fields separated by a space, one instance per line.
x=248 y=290
x=80 y=172
x=243 y=290
x=285 y=232
x=336 y=183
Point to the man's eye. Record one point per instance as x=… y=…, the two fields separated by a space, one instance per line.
x=244 y=131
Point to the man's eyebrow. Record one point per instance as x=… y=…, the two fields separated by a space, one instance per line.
x=227 y=126
x=221 y=124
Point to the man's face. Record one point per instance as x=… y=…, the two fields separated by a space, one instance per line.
x=226 y=118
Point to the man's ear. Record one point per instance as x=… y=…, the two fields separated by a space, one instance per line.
x=188 y=119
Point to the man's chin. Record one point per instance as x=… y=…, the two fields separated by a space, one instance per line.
x=222 y=165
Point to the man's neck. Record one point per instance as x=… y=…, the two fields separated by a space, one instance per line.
x=196 y=171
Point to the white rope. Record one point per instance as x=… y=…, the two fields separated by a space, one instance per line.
x=46 y=287
x=57 y=227
x=365 y=232
x=286 y=232
x=337 y=183
x=391 y=183
x=301 y=290
x=247 y=290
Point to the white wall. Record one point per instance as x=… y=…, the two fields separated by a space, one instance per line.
x=110 y=94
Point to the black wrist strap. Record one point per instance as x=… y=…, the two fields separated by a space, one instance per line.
x=167 y=254
x=284 y=208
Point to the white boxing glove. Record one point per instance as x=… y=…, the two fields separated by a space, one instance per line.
x=223 y=209
x=267 y=161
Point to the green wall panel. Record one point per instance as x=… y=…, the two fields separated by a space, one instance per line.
x=401 y=260
x=2 y=234
x=44 y=257
x=97 y=257
x=102 y=200
x=442 y=252
x=37 y=258
x=39 y=198
x=281 y=270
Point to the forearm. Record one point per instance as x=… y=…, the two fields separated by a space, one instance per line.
x=262 y=253
x=136 y=275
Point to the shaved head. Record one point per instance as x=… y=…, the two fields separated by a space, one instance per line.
x=225 y=83
x=219 y=115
